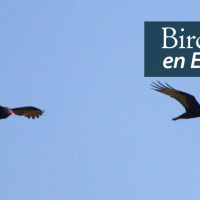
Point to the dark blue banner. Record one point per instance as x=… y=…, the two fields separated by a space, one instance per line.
x=172 y=49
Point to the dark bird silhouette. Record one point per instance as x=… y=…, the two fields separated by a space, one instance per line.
x=189 y=102
x=27 y=111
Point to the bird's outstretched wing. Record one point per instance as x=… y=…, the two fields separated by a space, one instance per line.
x=28 y=111
x=187 y=100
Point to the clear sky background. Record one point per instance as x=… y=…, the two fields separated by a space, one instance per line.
x=104 y=134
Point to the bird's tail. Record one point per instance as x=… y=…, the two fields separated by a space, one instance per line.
x=176 y=118
x=180 y=117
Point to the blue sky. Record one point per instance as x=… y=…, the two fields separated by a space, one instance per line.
x=104 y=134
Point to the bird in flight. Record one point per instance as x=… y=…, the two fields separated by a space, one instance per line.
x=27 y=111
x=188 y=101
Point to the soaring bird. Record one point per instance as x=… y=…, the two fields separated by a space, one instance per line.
x=188 y=101
x=27 y=111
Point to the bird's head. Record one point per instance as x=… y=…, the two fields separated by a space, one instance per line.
x=10 y=112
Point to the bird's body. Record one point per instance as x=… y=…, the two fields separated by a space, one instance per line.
x=4 y=112
x=189 y=102
x=27 y=111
